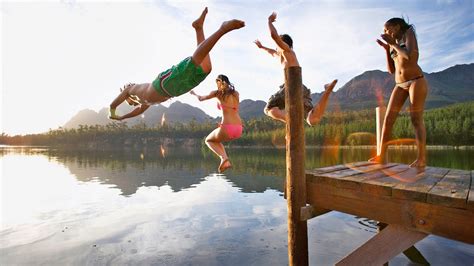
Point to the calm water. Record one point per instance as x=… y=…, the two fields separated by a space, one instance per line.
x=168 y=207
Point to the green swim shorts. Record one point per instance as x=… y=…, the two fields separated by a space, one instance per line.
x=179 y=79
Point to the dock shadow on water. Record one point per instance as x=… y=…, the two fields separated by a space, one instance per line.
x=170 y=207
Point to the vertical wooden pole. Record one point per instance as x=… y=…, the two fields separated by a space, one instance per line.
x=379 y=117
x=295 y=169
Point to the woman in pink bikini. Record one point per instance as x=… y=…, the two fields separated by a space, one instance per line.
x=230 y=127
x=401 y=50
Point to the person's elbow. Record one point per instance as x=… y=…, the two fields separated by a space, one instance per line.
x=275 y=36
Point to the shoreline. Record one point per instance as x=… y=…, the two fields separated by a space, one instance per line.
x=397 y=147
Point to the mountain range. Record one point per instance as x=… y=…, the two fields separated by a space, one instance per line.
x=365 y=91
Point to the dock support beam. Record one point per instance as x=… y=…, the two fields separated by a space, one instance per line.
x=295 y=167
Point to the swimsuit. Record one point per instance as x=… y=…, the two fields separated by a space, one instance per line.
x=179 y=79
x=233 y=131
x=393 y=54
x=407 y=83
x=221 y=106
x=278 y=100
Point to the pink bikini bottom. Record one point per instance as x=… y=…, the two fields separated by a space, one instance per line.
x=233 y=131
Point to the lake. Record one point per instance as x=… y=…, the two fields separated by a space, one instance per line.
x=169 y=207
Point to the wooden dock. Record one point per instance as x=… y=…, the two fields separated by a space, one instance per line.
x=411 y=202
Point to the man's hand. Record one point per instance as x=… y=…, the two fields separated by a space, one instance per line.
x=272 y=17
x=258 y=43
x=115 y=117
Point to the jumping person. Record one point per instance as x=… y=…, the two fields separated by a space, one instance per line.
x=401 y=50
x=230 y=127
x=275 y=107
x=180 y=78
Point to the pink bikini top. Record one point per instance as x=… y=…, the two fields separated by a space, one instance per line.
x=221 y=106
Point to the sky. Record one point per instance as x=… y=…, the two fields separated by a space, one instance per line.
x=60 y=57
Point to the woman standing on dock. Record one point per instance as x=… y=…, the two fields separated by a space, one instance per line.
x=401 y=49
x=230 y=127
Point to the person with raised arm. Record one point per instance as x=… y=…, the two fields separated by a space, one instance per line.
x=230 y=127
x=275 y=107
x=401 y=51
x=177 y=80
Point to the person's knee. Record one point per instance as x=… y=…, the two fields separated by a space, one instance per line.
x=417 y=120
x=271 y=111
x=265 y=111
x=207 y=68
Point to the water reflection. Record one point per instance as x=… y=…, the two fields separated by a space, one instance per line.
x=170 y=208
x=255 y=170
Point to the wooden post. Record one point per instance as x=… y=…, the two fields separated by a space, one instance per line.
x=295 y=169
x=379 y=117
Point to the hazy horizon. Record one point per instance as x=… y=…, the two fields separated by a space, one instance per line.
x=73 y=55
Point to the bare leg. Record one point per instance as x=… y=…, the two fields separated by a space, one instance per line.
x=205 y=46
x=418 y=91
x=276 y=114
x=315 y=115
x=395 y=104
x=198 y=26
x=214 y=142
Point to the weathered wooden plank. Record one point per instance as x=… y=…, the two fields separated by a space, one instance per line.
x=412 y=253
x=414 y=185
x=368 y=173
x=334 y=168
x=380 y=183
x=355 y=170
x=337 y=178
x=470 y=199
x=440 y=220
x=391 y=241
x=452 y=190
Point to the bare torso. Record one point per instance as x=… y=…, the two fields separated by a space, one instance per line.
x=407 y=69
x=147 y=94
x=230 y=110
x=288 y=59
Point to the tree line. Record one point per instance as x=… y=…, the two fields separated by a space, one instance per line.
x=450 y=125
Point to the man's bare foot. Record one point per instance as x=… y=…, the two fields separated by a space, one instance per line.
x=232 y=25
x=198 y=23
x=225 y=164
x=330 y=86
x=418 y=163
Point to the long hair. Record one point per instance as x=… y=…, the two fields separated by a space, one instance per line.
x=404 y=26
x=229 y=90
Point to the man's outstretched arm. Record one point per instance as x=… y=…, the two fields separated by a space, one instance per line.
x=135 y=112
x=272 y=52
x=274 y=33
